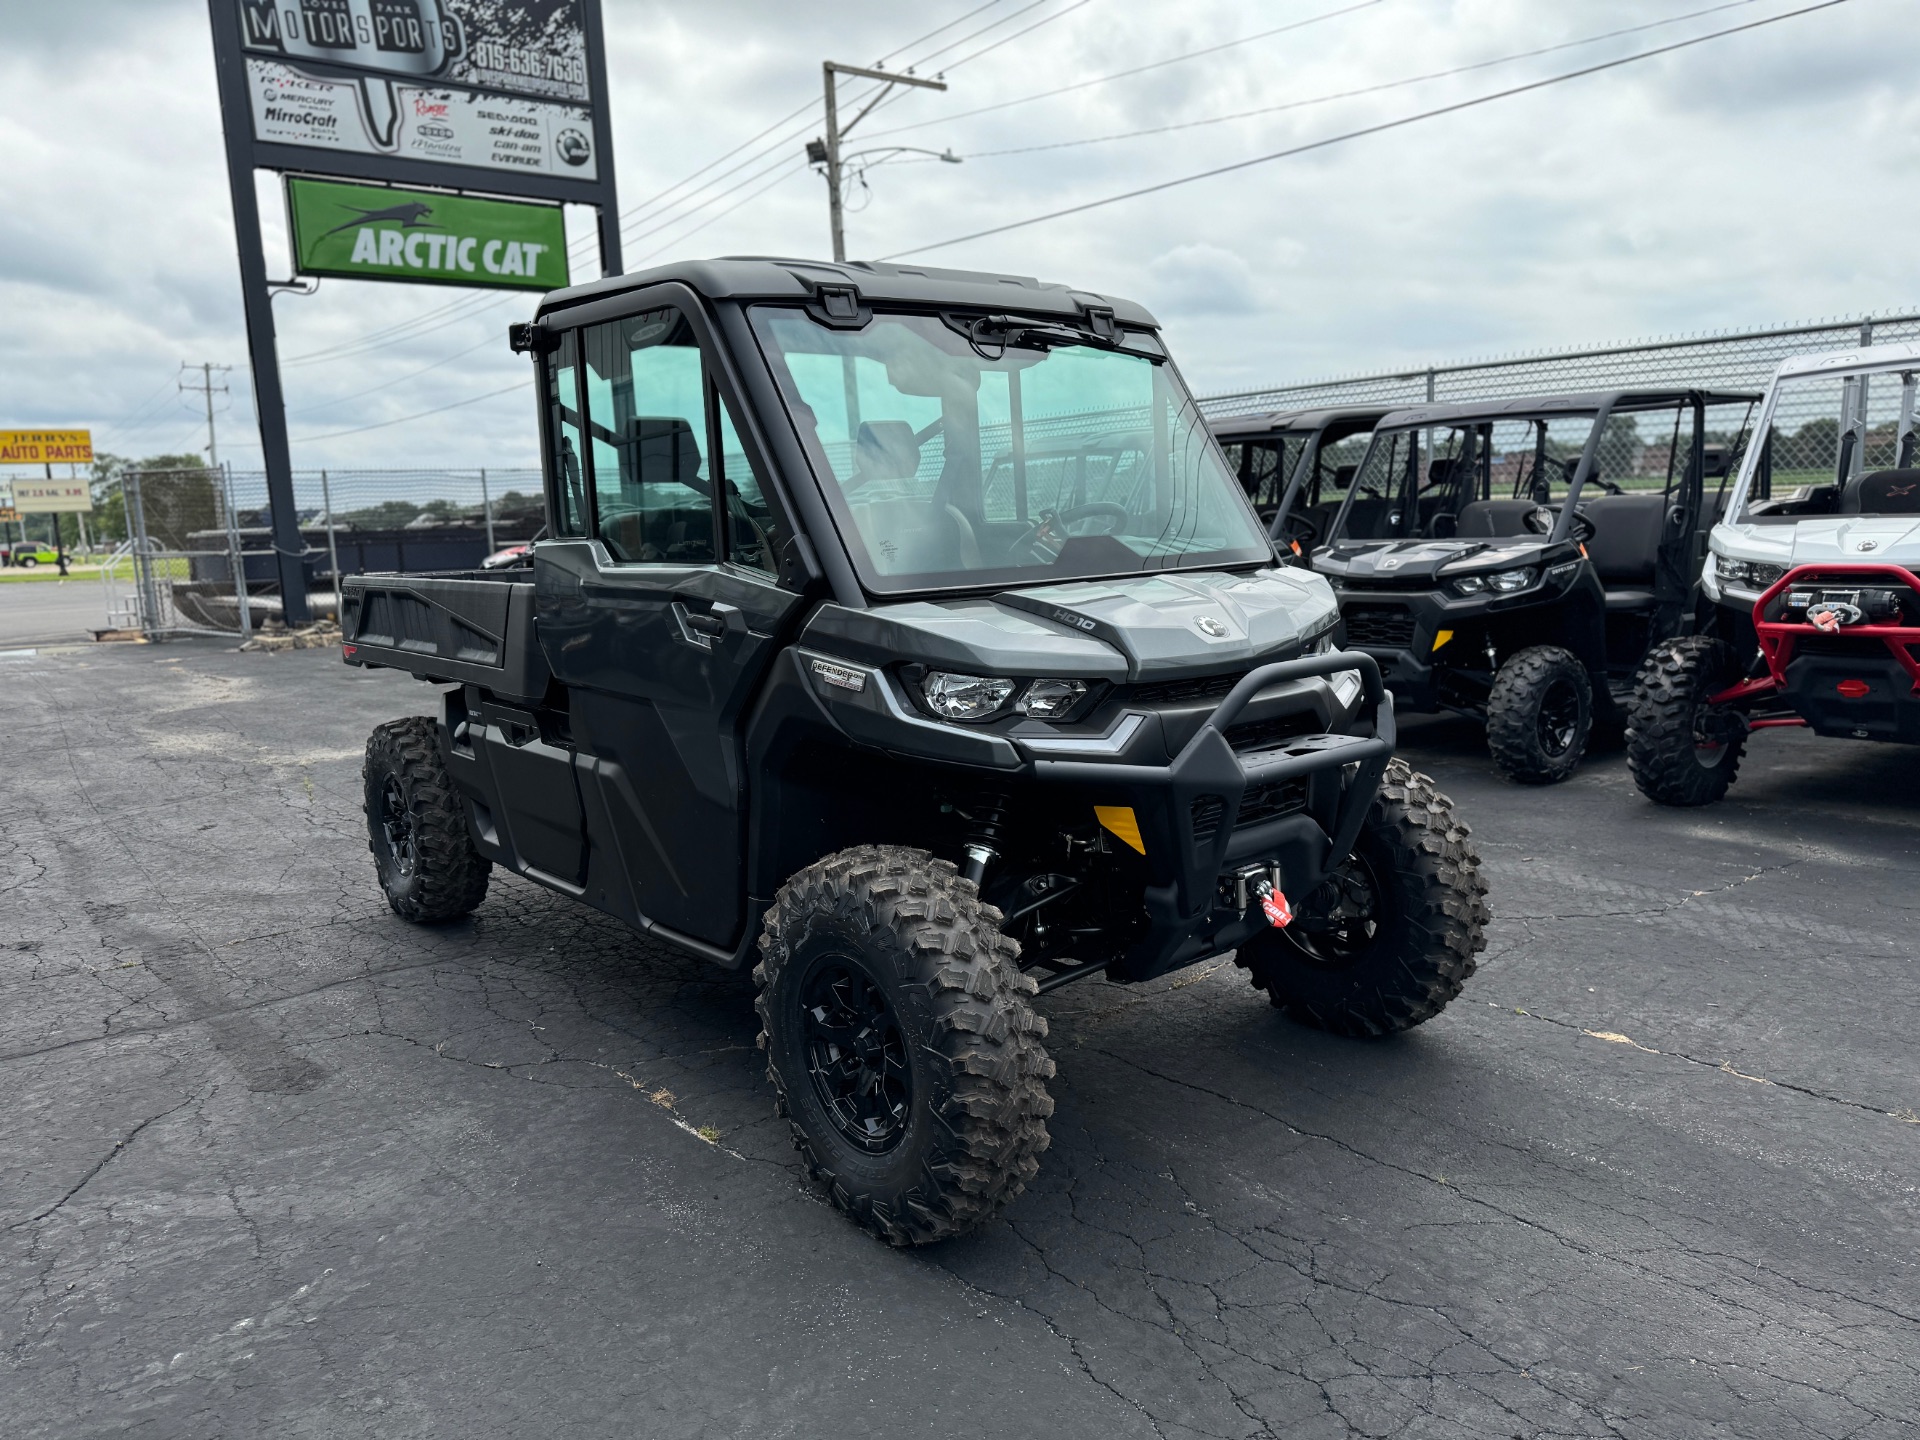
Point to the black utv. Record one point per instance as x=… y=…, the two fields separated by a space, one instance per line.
x=1513 y=560
x=1296 y=465
x=902 y=634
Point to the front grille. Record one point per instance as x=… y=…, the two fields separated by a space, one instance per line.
x=1365 y=582
x=1270 y=801
x=1194 y=687
x=1206 y=813
x=1266 y=734
x=1845 y=647
x=1388 y=627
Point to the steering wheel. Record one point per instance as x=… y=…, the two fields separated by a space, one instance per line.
x=1051 y=531
x=1300 y=530
x=1540 y=521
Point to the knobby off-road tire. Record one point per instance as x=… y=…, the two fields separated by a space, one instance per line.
x=417 y=825
x=900 y=1042
x=1540 y=715
x=1389 y=940
x=1679 y=751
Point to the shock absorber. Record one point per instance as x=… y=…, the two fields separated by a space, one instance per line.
x=986 y=818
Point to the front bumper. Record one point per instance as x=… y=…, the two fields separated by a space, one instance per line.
x=1856 y=682
x=1188 y=811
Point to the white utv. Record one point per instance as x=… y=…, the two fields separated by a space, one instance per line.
x=1809 y=611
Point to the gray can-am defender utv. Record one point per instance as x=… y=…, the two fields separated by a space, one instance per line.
x=1513 y=560
x=902 y=634
x=1296 y=465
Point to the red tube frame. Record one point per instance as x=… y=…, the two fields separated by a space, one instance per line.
x=1778 y=637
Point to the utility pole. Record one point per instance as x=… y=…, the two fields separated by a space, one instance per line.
x=205 y=386
x=827 y=152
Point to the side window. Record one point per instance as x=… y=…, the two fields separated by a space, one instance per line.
x=647 y=427
x=563 y=409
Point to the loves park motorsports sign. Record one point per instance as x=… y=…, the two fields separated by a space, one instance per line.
x=371 y=232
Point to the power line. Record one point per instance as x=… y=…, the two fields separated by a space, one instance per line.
x=1136 y=70
x=1366 y=130
x=881 y=63
x=421 y=415
x=1363 y=90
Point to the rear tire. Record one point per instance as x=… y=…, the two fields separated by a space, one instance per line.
x=417 y=825
x=1539 y=715
x=1680 y=750
x=900 y=1043
x=1390 y=939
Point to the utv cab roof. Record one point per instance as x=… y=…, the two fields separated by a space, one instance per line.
x=1582 y=402
x=918 y=286
x=1272 y=422
x=1871 y=358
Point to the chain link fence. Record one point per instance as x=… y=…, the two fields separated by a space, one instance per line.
x=1806 y=437
x=199 y=553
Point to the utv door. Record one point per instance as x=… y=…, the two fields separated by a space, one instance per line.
x=661 y=614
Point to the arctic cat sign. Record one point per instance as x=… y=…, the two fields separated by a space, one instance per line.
x=370 y=232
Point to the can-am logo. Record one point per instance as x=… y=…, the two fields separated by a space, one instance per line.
x=1207 y=625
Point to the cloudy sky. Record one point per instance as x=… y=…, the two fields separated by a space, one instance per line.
x=1762 y=177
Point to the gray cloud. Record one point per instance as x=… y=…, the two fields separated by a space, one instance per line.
x=1707 y=188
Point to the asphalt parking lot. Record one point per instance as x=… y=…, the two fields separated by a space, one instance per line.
x=274 y=1162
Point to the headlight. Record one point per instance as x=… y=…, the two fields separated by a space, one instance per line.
x=1505 y=582
x=1469 y=585
x=1049 y=699
x=965 y=697
x=1747 y=574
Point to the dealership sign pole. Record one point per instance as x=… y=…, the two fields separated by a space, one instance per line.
x=391 y=119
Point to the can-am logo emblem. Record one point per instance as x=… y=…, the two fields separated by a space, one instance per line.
x=1207 y=625
x=1868 y=545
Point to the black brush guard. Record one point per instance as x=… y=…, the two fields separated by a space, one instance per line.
x=1186 y=811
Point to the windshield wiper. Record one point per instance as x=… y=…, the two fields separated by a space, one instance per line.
x=991 y=336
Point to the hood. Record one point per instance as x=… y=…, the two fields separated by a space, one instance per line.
x=1859 y=539
x=1169 y=624
x=1419 y=561
x=1118 y=630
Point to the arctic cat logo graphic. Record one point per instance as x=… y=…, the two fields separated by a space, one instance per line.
x=406 y=216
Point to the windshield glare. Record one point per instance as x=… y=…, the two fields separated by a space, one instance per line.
x=963 y=463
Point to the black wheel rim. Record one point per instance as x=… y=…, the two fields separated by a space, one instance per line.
x=1339 y=921
x=396 y=826
x=1712 y=735
x=856 y=1055
x=1558 y=723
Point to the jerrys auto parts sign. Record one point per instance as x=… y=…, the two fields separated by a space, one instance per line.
x=371 y=232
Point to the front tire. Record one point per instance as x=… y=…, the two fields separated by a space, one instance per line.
x=417 y=825
x=900 y=1043
x=1680 y=749
x=1540 y=715
x=1391 y=937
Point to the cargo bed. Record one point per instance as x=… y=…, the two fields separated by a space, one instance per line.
x=470 y=627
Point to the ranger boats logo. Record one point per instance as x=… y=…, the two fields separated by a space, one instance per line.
x=1207 y=625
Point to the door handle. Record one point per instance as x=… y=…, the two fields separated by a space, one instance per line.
x=703 y=628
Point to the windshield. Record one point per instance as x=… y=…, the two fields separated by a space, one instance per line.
x=959 y=460
x=1435 y=482
x=1838 y=445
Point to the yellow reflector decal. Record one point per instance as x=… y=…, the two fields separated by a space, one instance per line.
x=1119 y=819
x=1442 y=638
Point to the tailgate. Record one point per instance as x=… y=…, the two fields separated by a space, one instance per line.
x=453 y=627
